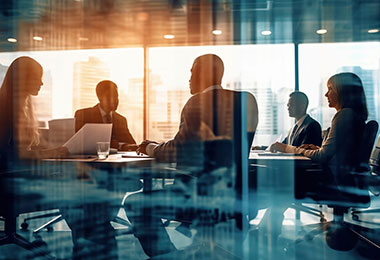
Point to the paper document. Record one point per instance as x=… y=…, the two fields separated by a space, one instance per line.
x=84 y=141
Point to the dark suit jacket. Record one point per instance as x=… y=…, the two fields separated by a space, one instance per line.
x=120 y=131
x=209 y=115
x=308 y=133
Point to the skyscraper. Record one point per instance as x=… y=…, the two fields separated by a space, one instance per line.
x=87 y=74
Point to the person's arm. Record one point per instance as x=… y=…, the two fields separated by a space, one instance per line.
x=341 y=128
x=42 y=153
x=79 y=120
x=126 y=136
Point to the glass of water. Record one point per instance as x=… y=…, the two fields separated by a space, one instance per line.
x=103 y=149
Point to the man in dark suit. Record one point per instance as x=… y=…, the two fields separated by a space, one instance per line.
x=306 y=130
x=105 y=112
x=210 y=114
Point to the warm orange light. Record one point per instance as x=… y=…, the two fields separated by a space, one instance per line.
x=37 y=38
x=217 y=32
x=169 y=36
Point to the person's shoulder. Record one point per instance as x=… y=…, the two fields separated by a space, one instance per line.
x=84 y=110
x=345 y=115
x=119 y=116
x=311 y=121
x=345 y=112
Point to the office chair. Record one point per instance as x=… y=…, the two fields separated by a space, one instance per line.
x=366 y=145
x=10 y=210
x=353 y=195
x=374 y=163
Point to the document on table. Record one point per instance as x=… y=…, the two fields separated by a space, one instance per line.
x=84 y=141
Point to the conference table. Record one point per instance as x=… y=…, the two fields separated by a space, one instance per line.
x=58 y=182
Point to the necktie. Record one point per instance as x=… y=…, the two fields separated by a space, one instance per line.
x=107 y=118
x=291 y=137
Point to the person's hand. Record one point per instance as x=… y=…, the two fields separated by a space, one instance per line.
x=257 y=148
x=129 y=147
x=277 y=147
x=142 y=147
x=309 y=147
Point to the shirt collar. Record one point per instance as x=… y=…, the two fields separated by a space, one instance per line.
x=102 y=112
x=212 y=88
x=300 y=121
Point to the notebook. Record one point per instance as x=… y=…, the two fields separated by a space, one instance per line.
x=84 y=141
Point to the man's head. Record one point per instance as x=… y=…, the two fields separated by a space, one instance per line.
x=207 y=71
x=108 y=96
x=297 y=104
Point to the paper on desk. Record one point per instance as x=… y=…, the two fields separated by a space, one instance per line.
x=84 y=141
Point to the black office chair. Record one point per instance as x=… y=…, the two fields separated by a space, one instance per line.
x=366 y=145
x=354 y=193
x=13 y=203
x=374 y=178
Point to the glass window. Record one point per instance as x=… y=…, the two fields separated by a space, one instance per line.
x=70 y=78
x=318 y=62
x=265 y=70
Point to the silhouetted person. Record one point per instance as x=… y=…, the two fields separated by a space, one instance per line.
x=207 y=115
x=105 y=112
x=19 y=136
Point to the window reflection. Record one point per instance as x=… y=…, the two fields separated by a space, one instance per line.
x=319 y=61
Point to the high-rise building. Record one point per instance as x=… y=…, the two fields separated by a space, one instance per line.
x=370 y=84
x=87 y=74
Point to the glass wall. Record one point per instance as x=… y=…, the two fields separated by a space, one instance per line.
x=318 y=62
x=70 y=78
x=265 y=70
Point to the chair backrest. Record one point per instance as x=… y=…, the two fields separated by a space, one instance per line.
x=61 y=130
x=368 y=139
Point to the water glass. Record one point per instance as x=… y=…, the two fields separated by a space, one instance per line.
x=103 y=149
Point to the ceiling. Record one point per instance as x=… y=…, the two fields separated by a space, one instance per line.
x=87 y=24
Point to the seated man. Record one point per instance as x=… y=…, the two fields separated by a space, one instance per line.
x=211 y=113
x=105 y=112
x=306 y=130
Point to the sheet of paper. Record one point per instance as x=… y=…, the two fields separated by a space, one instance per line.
x=84 y=141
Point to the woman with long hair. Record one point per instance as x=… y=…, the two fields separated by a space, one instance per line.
x=19 y=137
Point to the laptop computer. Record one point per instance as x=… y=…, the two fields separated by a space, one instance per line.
x=84 y=141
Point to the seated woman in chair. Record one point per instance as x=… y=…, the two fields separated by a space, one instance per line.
x=338 y=152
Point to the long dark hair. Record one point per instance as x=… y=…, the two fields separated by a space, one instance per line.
x=349 y=88
x=16 y=108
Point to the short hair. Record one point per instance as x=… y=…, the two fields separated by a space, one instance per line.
x=212 y=60
x=349 y=88
x=104 y=87
x=300 y=98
